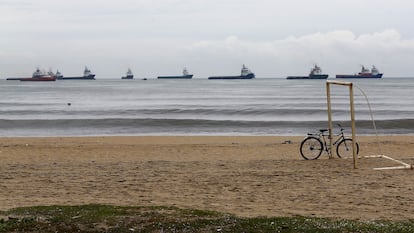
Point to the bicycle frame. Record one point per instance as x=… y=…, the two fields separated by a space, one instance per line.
x=323 y=136
x=327 y=148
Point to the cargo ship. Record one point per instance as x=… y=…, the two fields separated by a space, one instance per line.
x=245 y=74
x=365 y=73
x=185 y=75
x=87 y=75
x=38 y=75
x=315 y=73
x=129 y=75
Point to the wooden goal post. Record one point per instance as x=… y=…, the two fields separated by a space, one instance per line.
x=352 y=110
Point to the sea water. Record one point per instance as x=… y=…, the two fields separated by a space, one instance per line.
x=261 y=106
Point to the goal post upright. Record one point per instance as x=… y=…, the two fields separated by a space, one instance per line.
x=328 y=100
x=352 y=110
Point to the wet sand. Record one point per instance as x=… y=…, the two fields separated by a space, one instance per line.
x=246 y=176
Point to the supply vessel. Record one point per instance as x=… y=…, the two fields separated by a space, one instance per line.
x=185 y=75
x=365 y=73
x=315 y=73
x=245 y=74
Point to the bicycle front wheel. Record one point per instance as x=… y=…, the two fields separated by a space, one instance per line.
x=311 y=148
x=344 y=149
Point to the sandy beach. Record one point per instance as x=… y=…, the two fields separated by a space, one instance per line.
x=242 y=175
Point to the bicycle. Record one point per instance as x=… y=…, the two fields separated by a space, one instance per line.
x=315 y=143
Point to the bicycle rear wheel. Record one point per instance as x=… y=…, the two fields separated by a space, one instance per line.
x=344 y=149
x=311 y=148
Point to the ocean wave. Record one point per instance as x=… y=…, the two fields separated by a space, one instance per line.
x=187 y=126
x=214 y=114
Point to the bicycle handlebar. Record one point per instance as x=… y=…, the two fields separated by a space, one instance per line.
x=322 y=131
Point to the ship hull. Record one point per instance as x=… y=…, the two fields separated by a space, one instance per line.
x=90 y=77
x=359 y=76
x=190 y=76
x=128 y=77
x=319 y=76
x=249 y=76
x=42 y=79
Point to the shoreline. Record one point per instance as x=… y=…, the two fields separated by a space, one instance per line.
x=348 y=133
x=200 y=136
x=243 y=175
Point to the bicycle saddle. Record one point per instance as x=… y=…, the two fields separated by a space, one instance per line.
x=323 y=130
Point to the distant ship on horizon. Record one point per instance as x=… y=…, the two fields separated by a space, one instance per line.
x=315 y=73
x=185 y=75
x=129 y=75
x=87 y=75
x=245 y=74
x=38 y=75
x=365 y=73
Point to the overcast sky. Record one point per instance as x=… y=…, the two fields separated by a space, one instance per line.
x=273 y=38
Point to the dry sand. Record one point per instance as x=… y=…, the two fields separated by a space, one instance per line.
x=246 y=176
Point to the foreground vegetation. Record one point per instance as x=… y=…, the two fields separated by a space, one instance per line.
x=103 y=218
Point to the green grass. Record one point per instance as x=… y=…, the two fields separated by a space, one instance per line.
x=103 y=218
